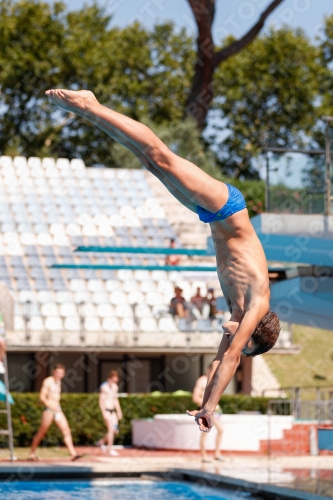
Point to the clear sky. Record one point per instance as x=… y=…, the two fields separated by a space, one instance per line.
x=232 y=16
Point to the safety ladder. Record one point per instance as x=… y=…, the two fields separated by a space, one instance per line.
x=9 y=431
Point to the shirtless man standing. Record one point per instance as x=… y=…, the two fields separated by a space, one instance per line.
x=50 y=397
x=172 y=260
x=197 y=397
x=241 y=264
x=111 y=411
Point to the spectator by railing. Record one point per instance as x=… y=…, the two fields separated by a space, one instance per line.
x=172 y=260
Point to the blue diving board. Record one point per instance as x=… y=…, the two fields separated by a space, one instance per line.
x=117 y=267
x=296 y=238
x=143 y=250
x=297 y=249
x=304 y=300
x=277 y=247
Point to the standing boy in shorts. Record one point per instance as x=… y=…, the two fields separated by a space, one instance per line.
x=197 y=397
x=50 y=396
x=111 y=411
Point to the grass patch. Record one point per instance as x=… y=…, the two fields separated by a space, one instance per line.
x=313 y=366
x=42 y=452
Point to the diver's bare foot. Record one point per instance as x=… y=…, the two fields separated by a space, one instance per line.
x=80 y=102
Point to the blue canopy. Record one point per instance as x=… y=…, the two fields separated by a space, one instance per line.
x=3 y=394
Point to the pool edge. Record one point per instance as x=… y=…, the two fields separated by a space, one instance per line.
x=263 y=490
x=266 y=491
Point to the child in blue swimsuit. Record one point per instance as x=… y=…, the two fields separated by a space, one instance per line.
x=241 y=263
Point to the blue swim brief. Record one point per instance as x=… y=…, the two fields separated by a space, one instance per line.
x=235 y=203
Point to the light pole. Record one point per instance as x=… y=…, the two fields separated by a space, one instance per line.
x=136 y=324
x=267 y=198
x=27 y=318
x=329 y=141
x=82 y=321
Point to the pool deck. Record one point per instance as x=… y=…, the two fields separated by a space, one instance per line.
x=301 y=473
x=139 y=459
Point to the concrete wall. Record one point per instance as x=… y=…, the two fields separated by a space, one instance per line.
x=180 y=432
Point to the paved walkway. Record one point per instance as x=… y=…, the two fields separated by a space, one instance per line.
x=251 y=467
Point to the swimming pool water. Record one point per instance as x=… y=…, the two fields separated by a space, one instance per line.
x=110 y=490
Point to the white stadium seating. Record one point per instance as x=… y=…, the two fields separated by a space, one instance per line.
x=72 y=323
x=47 y=207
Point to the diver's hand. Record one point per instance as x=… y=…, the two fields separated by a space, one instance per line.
x=204 y=419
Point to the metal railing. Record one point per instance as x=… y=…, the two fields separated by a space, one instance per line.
x=318 y=411
x=307 y=392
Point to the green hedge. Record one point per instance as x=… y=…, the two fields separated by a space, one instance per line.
x=86 y=421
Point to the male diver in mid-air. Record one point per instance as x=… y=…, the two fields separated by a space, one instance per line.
x=241 y=264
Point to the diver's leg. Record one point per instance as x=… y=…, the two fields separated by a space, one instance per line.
x=62 y=424
x=47 y=419
x=162 y=176
x=194 y=183
x=203 y=452
x=219 y=429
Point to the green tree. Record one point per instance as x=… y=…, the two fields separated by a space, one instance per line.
x=262 y=96
x=209 y=59
x=30 y=36
x=326 y=58
x=132 y=70
x=314 y=174
x=268 y=97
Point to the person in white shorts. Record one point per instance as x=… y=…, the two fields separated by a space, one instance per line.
x=197 y=397
x=50 y=396
x=111 y=411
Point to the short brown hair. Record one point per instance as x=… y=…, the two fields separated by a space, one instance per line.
x=59 y=366
x=113 y=373
x=266 y=333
